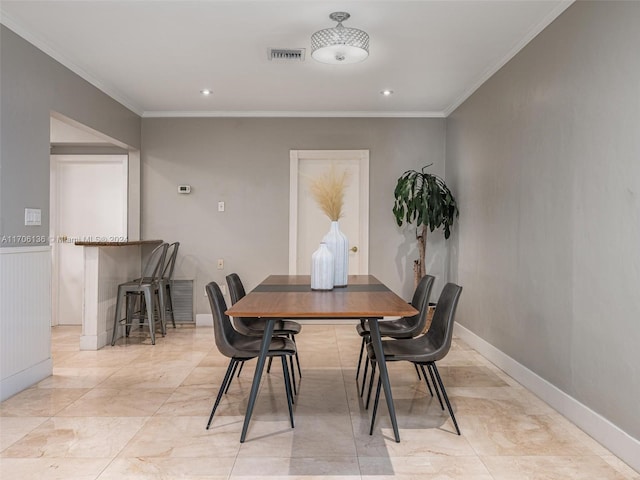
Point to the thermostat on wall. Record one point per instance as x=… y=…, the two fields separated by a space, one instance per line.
x=184 y=188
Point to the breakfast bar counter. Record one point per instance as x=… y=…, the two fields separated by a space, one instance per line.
x=106 y=265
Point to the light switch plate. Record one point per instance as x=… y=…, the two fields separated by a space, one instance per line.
x=221 y=206
x=32 y=216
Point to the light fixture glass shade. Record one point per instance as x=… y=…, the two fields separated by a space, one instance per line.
x=340 y=45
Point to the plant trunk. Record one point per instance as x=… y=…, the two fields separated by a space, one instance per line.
x=418 y=265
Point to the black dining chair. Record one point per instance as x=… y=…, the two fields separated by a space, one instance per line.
x=405 y=327
x=239 y=347
x=255 y=326
x=426 y=349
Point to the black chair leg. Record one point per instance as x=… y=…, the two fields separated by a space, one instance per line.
x=240 y=369
x=287 y=387
x=446 y=398
x=435 y=385
x=364 y=375
x=269 y=364
x=235 y=367
x=418 y=372
x=373 y=374
x=293 y=339
x=375 y=405
x=293 y=376
x=360 y=358
x=227 y=379
x=426 y=380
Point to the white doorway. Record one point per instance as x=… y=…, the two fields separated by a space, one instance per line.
x=88 y=203
x=307 y=223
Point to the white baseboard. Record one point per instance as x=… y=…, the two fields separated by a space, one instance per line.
x=609 y=435
x=96 y=342
x=22 y=380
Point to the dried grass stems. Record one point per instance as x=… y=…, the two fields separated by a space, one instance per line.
x=328 y=191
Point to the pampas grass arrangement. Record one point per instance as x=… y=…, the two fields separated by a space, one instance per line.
x=328 y=191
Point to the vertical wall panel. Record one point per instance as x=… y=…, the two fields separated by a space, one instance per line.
x=25 y=316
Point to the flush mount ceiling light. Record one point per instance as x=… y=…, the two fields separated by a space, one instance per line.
x=340 y=45
x=205 y=92
x=387 y=92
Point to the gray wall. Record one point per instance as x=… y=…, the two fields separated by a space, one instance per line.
x=245 y=162
x=32 y=86
x=545 y=158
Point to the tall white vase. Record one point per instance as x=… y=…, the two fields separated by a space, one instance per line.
x=338 y=245
x=322 y=268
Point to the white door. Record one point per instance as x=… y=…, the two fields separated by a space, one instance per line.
x=89 y=203
x=308 y=224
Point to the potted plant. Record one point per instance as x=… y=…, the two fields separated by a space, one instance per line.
x=424 y=200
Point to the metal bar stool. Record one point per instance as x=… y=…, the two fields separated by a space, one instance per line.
x=142 y=292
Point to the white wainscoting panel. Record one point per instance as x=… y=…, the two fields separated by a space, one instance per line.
x=25 y=317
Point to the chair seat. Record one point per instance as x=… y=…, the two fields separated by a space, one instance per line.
x=255 y=327
x=400 y=328
x=417 y=350
x=249 y=347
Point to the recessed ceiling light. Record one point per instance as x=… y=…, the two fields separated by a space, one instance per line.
x=386 y=93
x=205 y=92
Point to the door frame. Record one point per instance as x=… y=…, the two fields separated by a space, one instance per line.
x=54 y=209
x=295 y=157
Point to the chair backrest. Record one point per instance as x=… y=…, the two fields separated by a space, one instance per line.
x=441 y=330
x=236 y=289
x=237 y=292
x=169 y=265
x=153 y=267
x=223 y=330
x=420 y=302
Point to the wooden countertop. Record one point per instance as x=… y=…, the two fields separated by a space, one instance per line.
x=118 y=244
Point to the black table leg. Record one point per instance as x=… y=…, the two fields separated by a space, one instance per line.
x=376 y=341
x=255 y=386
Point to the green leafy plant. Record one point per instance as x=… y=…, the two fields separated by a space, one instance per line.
x=424 y=200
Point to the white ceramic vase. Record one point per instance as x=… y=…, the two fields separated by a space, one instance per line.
x=322 y=268
x=338 y=245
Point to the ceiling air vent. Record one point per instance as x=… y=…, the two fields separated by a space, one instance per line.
x=286 y=54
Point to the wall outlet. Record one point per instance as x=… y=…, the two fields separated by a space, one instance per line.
x=220 y=264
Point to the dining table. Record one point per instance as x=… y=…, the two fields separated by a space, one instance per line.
x=291 y=297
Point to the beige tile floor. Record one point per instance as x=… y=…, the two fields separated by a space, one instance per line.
x=138 y=411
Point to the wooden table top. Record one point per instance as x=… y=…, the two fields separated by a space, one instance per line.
x=290 y=296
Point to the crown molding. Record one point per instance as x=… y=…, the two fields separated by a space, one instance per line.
x=14 y=25
x=290 y=114
x=489 y=72
x=38 y=42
